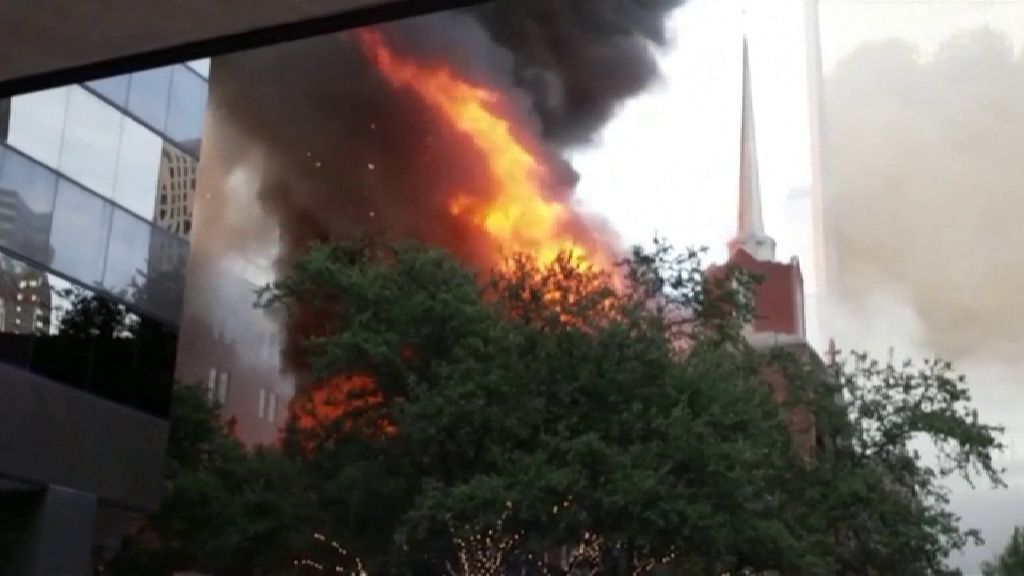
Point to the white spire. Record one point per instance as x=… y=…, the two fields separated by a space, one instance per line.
x=750 y=235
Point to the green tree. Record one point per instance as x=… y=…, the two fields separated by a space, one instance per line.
x=228 y=510
x=885 y=498
x=627 y=418
x=549 y=390
x=1011 y=561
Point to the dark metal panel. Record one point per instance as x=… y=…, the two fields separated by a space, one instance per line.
x=59 y=42
x=53 y=434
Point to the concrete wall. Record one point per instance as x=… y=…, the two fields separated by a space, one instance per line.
x=52 y=434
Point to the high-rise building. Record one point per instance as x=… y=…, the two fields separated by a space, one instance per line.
x=177 y=188
x=91 y=284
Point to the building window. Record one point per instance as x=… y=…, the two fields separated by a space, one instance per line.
x=211 y=384
x=272 y=408
x=223 y=380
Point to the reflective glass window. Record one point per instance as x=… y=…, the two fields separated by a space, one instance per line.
x=176 y=191
x=17 y=310
x=187 y=109
x=78 y=318
x=127 y=255
x=115 y=371
x=81 y=227
x=83 y=339
x=165 y=281
x=91 y=139
x=27 y=192
x=138 y=168
x=114 y=88
x=157 y=353
x=148 y=95
x=37 y=124
x=201 y=66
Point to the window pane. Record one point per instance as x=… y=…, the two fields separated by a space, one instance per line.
x=148 y=95
x=114 y=88
x=24 y=297
x=187 y=109
x=211 y=384
x=65 y=355
x=91 y=139
x=37 y=124
x=272 y=408
x=115 y=373
x=223 y=381
x=201 y=66
x=165 y=285
x=127 y=254
x=77 y=337
x=158 y=347
x=138 y=169
x=176 y=191
x=27 y=194
x=81 y=226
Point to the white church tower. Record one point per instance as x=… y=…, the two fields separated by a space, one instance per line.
x=750 y=234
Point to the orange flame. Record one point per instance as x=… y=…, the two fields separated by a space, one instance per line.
x=517 y=216
x=354 y=398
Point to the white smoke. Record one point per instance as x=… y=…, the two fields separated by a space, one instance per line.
x=927 y=191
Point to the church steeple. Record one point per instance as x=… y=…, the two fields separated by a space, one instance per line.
x=750 y=234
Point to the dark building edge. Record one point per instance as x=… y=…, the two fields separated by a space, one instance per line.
x=227 y=44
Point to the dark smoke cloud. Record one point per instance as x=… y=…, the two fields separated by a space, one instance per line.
x=330 y=150
x=347 y=153
x=579 y=59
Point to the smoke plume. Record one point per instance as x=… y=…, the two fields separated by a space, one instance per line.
x=927 y=190
x=347 y=153
x=309 y=141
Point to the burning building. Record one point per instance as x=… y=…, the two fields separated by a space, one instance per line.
x=449 y=129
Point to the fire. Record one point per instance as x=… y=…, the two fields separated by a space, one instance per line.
x=516 y=215
x=352 y=397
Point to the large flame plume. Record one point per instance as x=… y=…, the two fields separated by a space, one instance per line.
x=516 y=212
x=517 y=215
x=451 y=130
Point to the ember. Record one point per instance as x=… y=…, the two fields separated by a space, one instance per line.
x=517 y=213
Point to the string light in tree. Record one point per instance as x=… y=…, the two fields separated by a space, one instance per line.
x=354 y=565
x=484 y=553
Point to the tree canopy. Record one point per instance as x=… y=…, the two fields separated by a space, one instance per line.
x=1010 y=561
x=471 y=423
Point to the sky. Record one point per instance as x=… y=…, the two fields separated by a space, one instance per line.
x=668 y=163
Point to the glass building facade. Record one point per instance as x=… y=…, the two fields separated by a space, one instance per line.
x=97 y=183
